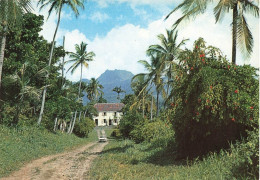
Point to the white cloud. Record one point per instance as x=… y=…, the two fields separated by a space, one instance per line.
x=99 y=17
x=123 y=46
x=105 y=3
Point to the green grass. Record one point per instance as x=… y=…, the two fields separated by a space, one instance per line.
x=19 y=146
x=127 y=160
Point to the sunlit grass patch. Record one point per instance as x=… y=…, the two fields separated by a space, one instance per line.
x=127 y=160
x=21 y=145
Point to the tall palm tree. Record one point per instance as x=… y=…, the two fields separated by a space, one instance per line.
x=118 y=90
x=168 y=51
x=56 y=5
x=11 y=12
x=80 y=59
x=240 y=28
x=94 y=89
x=153 y=77
x=141 y=99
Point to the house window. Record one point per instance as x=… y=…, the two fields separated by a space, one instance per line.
x=105 y=113
x=115 y=120
x=105 y=121
x=115 y=113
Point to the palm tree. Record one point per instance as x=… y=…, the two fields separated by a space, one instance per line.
x=26 y=92
x=79 y=58
x=94 y=89
x=153 y=77
x=240 y=28
x=11 y=12
x=57 y=5
x=168 y=51
x=141 y=99
x=118 y=90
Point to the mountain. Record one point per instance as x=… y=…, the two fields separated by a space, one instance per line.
x=110 y=79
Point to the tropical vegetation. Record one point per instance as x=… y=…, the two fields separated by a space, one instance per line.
x=193 y=114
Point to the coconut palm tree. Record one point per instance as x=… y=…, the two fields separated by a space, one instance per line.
x=240 y=28
x=118 y=90
x=168 y=51
x=143 y=99
x=57 y=5
x=153 y=77
x=11 y=12
x=94 y=89
x=80 y=59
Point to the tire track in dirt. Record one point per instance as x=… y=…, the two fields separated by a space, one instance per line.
x=69 y=165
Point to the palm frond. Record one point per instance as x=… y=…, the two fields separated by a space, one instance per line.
x=245 y=37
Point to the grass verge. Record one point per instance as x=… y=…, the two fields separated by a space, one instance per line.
x=127 y=160
x=21 y=145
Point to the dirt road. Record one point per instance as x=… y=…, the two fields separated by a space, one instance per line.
x=69 y=165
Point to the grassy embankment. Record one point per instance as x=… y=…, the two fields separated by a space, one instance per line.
x=19 y=146
x=123 y=159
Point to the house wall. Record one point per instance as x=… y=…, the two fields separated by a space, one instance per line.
x=107 y=118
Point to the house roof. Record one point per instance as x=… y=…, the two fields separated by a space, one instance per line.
x=109 y=106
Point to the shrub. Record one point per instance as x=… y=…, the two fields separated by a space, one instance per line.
x=84 y=127
x=116 y=133
x=158 y=133
x=129 y=121
x=246 y=153
x=214 y=101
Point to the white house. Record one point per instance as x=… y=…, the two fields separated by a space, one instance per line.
x=108 y=114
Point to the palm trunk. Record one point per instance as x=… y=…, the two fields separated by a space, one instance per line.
x=152 y=109
x=3 y=42
x=62 y=72
x=73 y=124
x=143 y=104
x=78 y=98
x=157 y=104
x=234 y=33
x=84 y=114
x=71 y=119
x=55 y=124
x=80 y=80
x=47 y=77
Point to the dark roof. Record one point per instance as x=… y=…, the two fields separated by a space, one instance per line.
x=109 y=106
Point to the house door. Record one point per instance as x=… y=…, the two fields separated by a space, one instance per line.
x=96 y=121
x=110 y=122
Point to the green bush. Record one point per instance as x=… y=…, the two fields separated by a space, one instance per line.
x=116 y=133
x=214 y=102
x=84 y=127
x=158 y=133
x=246 y=153
x=129 y=121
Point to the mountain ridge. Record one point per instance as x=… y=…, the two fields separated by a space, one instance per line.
x=110 y=79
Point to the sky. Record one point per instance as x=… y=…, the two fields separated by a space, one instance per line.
x=120 y=31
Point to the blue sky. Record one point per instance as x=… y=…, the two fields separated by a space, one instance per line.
x=120 y=31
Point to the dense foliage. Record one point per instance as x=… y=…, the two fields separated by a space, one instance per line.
x=84 y=127
x=25 y=75
x=213 y=102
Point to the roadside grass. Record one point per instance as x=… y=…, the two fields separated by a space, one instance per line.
x=18 y=146
x=126 y=160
